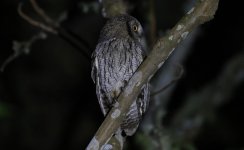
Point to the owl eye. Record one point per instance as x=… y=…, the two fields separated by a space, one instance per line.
x=135 y=28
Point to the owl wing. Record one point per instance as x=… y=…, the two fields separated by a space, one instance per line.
x=95 y=77
x=94 y=67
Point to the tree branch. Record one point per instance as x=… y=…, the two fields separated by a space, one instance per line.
x=42 y=13
x=152 y=22
x=180 y=73
x=53 y=27
x=113 y=8
x=22 y=47
x=203 y=11
x=202 y=104
x=199 y=108
x=34 y=22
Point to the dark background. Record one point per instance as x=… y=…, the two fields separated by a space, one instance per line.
x=48 y=100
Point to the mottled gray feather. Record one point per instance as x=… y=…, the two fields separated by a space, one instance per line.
x=115 y=59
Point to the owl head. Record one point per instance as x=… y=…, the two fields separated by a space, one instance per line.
x=122 y=27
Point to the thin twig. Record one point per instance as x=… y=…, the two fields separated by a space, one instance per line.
x=54 y=28
x=170 y=82
x=34 y=22
x=202 y=12
x=42 y=13
x=22 y=47
x=75 y=42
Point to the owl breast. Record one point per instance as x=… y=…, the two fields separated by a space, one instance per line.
x=117 y=61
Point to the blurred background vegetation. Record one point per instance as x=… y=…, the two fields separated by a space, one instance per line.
x=48 y=100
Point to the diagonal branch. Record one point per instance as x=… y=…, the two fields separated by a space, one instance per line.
x=203 y=11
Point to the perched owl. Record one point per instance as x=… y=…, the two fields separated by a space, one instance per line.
x=117 y=56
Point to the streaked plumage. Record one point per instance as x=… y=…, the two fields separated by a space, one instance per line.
x=117 y=56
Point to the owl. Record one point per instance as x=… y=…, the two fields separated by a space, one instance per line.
x=117 y=56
